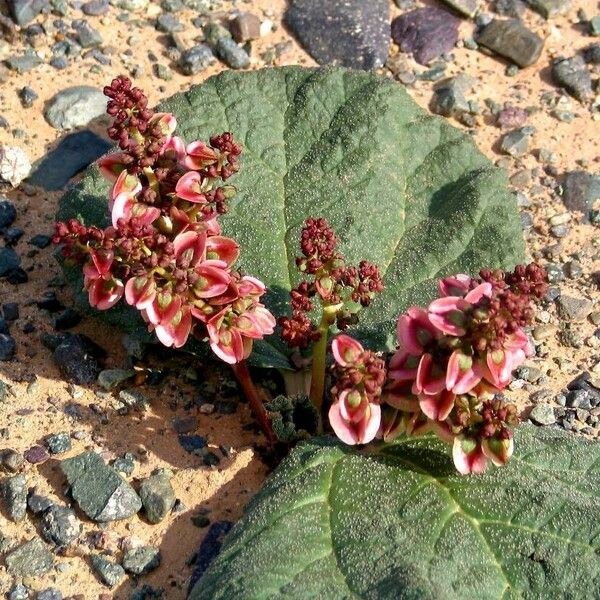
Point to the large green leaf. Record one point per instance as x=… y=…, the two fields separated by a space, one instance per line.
x=333 y=523
x=402 y=188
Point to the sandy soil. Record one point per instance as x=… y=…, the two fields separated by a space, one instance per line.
x=36 y=408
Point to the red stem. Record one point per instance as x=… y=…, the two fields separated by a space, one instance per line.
x=242 y=374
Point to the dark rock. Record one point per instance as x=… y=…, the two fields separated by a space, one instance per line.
x=510 y=8
x=231 y=54
x=87 y=36
x=41 y=241
x=579 y=398
x=67 y=319
x=352 y=33
x=59 y=443
x=13 y=492
x=94 y=8
x=24 y=62
x=78 y=359
x=157 y=496
x=196 y=59
x=580 y=191
x=27 y=96
x=550 y=8
x=24 y=11
x=17 y=276
x=516 y=142
x=9 y=261
x=592 y=54
x=18 y=592
x=59 y=62
x=75 y=107
x=209 y=549
x=426 y=32
x=168 y=23
x=73 y=154
x=8 y=213
x=185 y=424
x=572 y=75
x=511 y=39
x=125 y=464
x=36 y=455
x=60 y=526
x=192 y=443
x=245 y=27
x=12 y=235
x=542 y=414
x=33 y=558
x=147 y=592
x=574 y=309
x=8 y=347
x=99 y=490
x=38 y=504
x=141 y=560
x=109 y=573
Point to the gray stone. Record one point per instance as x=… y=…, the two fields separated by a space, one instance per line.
x=168 y=23
x=24 y=11
x=426 y=32
x=591 y=54
x=542 y=414
x=449 y=99
x=579 y=399
x=580 y=191
x=162 y=72
x=550 y=8
x=574 y=309
x=245 y=27
x=33 y=558
x=100 y=491
x=60 y=526
x=510 y=8
x=75 y=107
x=516 y=142
x=8 y=347
x=141 y=560
x=511 y=39
x=38 y=504
x=109 y=379
x=13 y=491
x=87 y=36
x=595 y=25
x=95 y=8
x=572 y=75
x=110 y=573
x=59 y=443
x=157 y=496
x=49 y=594
x=231 y=54
x=73 y=153
x=11 y=460
x=24 y=63
x=196 y=59
x=133 y=398
x=9 y=260
x=8 y=213
x=213 y=32
x=468 y=8
x=353 y=33
x=18 y=592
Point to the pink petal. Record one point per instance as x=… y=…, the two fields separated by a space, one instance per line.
x=104 y=294
x=121 y=208
x=111 y=165
x=345 y=350
x=250 y=286
x=342 y=428
x=403 y=366
x=349 y=413
x=222 y=248
x=415 y=330
x=213 y=282
x=146 y=215
x=175 y=144
x=369 y=426
x=468 y=456
x=498 y=451
x=475 y=295
x=458 y=285
x=430 y=377
x=447 y=314
x=140 y=292
x=188 y=188
x=200 y=155
x=190 y=247
x=437 y=407
x=462 y=374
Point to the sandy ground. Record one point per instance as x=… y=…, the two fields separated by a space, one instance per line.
x=36 y=408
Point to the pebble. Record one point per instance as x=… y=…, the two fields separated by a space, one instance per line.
x=75 y=107
x=33 y=558
x=511 y=39
x=8 y=347
x=580 y=191
x=449 y=99
x=542 y=414
x=168 y=23
x=14 y=165
x=192 y=443
x=550 y=8
x=49 y=594
x=353 y=33
x=245 y=27
x=162 y=72
x=38 y=504
x=572 y=75
x=66 y=319
x=109 y=379
x=60 y=525
x=109 y=572
x=23 y=63
x=516 y=142
x=8 y=213
x=426 y=32
x=98 y=489
x=24 y=11
x=141 y=560
x=87 y=36
x=95 y=8
x=231 y=54
x=133 y=398
x=11 y=460
x=125 y=464
x=574 y=309
x=36 y=454
x=185 y=424
x=13 y=492
x=59 y=443
x=18 y=592
x=591 y=54
x=510 y=8
x=78 y=358
x=196 y=59
x=27 y=96
x=157 y=495
x=511 y=117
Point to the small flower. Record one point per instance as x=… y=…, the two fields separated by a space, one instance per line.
x=416 y=331
x=199 y=156
x=468 y=455
x=353 y=419
x=104 y=290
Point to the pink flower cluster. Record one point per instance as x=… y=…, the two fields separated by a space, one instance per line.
x=164 y=251
x=453 y=358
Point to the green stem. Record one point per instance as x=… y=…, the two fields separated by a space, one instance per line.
x=317 y=383
x=242 y=374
